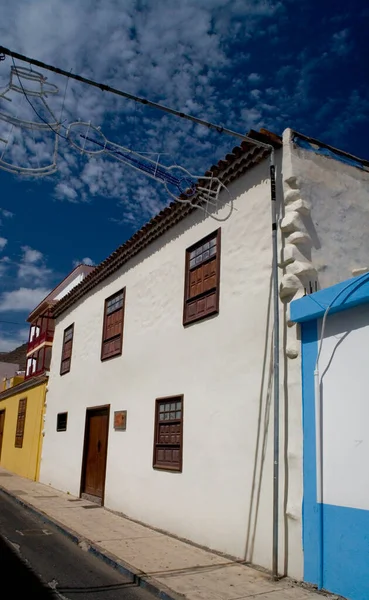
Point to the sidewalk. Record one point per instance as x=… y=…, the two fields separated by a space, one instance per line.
x=172 y=569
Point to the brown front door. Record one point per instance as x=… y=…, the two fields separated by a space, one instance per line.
x=2 y=421
x=96 y=446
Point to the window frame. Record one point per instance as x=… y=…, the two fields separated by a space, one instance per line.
x=65 y=371
x=21 y=423
x=162 y=466
x=103 y=339
x=186 y=299
x=58 y=428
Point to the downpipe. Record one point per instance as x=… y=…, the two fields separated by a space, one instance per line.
x=275 y=366
x=319 y=473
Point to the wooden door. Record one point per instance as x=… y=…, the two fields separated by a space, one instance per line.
x=2 y=421
x=96 y=446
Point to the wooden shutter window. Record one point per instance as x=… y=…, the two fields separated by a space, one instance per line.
x=66 y=356
x=21 y=420
x=112 y=339
x=202 y=279
x=168 y=434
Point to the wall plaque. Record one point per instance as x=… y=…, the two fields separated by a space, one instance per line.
x=120 y=420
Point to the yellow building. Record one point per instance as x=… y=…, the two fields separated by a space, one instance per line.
x=21 y=424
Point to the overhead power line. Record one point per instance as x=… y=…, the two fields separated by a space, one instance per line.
x=107 y=88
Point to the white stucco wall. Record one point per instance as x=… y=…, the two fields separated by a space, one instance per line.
x=223 y=497
x=337 y=198
x=344 y=376
x=222 y=367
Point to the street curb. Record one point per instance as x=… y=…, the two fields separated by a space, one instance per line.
x=138 y=577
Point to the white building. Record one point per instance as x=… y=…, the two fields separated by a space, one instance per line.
x=175 y=328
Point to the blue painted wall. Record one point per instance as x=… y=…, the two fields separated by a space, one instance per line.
x=345 y=543
x=309 y=337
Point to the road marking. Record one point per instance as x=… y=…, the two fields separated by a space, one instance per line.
x=52 y=584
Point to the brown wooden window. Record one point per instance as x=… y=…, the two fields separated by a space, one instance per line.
x=112 y=339
x=67 y=350
x=202 y=278
x=21 y=420
x=168 y=434
x=61 y=421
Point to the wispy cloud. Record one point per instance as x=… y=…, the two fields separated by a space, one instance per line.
x=254 y=78
x=6 y=213
x=32 y=267
x=172 y=53
x=22 y=299
x=84 y=261
x=3 y=243
x=341 y=43
x=206 y=57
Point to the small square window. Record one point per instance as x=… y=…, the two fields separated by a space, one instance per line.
x=61 y=421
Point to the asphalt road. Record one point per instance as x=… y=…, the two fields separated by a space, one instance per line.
x=36 y=561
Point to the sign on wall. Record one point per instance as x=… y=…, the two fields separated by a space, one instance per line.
x=120 y=420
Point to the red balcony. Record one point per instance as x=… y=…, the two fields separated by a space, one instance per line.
x=45 y=336
x=38 y=362
x=40 y=340
x=41 y=332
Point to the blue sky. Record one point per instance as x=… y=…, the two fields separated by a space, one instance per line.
x=241 y=63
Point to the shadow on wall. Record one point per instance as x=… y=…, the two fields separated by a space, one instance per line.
x=266 y=387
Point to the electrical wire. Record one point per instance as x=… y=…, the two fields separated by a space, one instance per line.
x=106 y=88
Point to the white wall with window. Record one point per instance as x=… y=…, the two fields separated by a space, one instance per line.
x=177 y=327
x=214 y=362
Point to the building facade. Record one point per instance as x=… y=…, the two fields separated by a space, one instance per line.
x=41 y=332
x=21 y=423
x=23 y=395
x=335 y=379
x=162 y=371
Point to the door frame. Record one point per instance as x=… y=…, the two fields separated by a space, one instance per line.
x=2 y=411
x=90 y=410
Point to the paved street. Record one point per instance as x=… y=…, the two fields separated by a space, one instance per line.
x=30 y=551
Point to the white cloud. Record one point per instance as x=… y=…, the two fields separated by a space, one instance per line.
x=84 y=261
x=32 y=267
x=22 y=299
x=31 y=255
x=254 y=78
x=4 y=265
x=3 y=243
x=341 y=43
x=6 y=213
x=170 y=52
x=251 y=117
x=65 y=191
x=255 y=94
